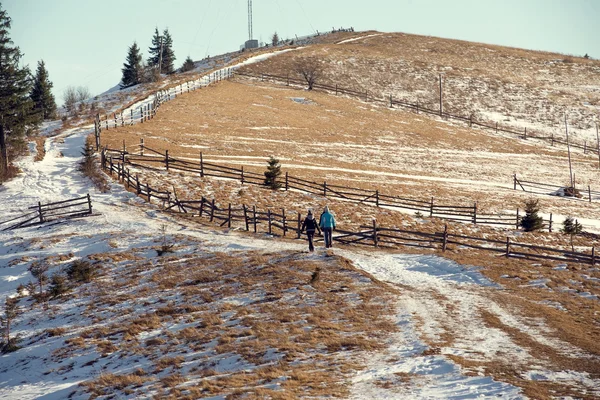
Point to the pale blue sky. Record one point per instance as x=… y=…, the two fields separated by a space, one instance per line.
x=84 y=43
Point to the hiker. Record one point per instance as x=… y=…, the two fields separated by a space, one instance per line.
x=327 y=224
x=310 y=224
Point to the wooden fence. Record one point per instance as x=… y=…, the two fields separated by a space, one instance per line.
x=464 y=213
x=280 y=222
x=48 y=212
x=416 y=107
x=554 y=190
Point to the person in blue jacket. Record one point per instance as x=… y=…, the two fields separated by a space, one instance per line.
x=310 y=224
x=327 y=224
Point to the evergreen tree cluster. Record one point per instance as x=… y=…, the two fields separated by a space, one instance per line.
x=161 y=60
x=41 y=93
x=17 y=115
x=571 y=226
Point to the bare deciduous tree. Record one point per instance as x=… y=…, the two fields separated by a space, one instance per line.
x=311 y=69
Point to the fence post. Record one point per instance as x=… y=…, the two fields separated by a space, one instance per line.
x=202 y=206
x=375 y=232
x=149 y=195
x=377 y=198
x=269 y=220
x=41 y=215
x=246 y=217
x=507 y=246
x=470 y=120
x=336 y=90
x=324 y=189
x=138 y=188
x=242 y=174
x=496 y=127
x=167 y=159
x=517 y=223
x=590 y=193
x=525 y=135
x=391 y=102
x=366 y=95
x=201 y=166
x=141 y=146
x=584 y=146
x=283 y=217
x=445 y=237
x=299 y=225
x=128 y=176
x=593 y=256
x=431 y=208
x=286 y=181
x=229 y=216
x=417 y=107
x=475 y=213
x=514 y=181
x=550 y=225
x=212 y=210
x=254 y=212
x=89 y=199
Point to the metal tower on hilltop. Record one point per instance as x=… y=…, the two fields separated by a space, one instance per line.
x=250 y=43
x=249 y=19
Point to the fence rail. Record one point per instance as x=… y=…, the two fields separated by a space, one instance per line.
x=555 y=190
x=416 y=107
x=47 y=212
x=281 y=222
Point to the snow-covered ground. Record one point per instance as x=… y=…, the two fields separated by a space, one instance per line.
x=123 y=218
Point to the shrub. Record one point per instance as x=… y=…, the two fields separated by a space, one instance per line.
x=81 y=271
x=532 y=221
x=58 y=285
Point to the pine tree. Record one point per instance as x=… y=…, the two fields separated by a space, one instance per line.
x=16 y=107
x=272 y=173
x=11 y=311
x=188 y=65
x=168 y=56
x=275 y=39
x=571 y=226
x=532 y=221
x=132 y=69
x=41 y=93
x=155 y=50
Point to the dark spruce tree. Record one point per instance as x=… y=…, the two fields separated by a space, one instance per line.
x=272 y=174
x=532 y=221
x=16 y=106
x=132 y=70
x=571 y=226
x=188 y=65
x=41 y=93
x=155 y=49
x=168 y=56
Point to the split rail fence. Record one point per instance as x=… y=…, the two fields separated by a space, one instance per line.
x=466 y=214
x=550 y=189
x=49 y=212
x=416 y=107
x=280 y=222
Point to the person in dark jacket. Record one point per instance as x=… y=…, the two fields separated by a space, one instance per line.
x=327 y=224
x=310 y=225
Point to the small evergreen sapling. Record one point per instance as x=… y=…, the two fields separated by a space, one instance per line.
x=11 y=311
x=272 y=174
x=571 y=226
x=532 y=221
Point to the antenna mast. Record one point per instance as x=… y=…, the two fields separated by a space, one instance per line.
x=250 y=19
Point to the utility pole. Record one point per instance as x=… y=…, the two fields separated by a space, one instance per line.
x=569 y=152
x=441 y=109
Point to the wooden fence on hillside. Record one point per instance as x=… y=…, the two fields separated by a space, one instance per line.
x=49 y=212
x=201 y=168
x=280 y=222
x=416 y=107
x=554 y=190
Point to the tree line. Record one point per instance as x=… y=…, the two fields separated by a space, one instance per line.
x=161 y=60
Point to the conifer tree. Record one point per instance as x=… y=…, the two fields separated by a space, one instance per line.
x=571 y=226
x=275 y=39
x=168 y=56
x=16 y=107
x=532 y=221
x=132 y=69
x=188 y=65
x=155 y=49
x=41 y=93
x=11 y=311
x=272 y=173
